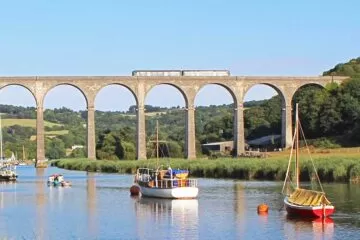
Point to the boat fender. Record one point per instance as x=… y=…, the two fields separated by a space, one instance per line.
x=134 y=190
x=263 y=208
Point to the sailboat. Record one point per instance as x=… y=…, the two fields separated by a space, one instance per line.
x=167 y=183
x=300 y=202
x=23 y=162
x=7 y=170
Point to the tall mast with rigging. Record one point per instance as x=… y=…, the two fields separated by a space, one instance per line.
x=157 y=142
x=297 y=171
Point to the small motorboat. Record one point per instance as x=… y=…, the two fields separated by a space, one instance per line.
x=56 y=180
x=8 y=173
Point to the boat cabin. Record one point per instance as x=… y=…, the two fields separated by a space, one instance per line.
x=164 y=178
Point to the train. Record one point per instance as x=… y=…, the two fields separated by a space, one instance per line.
x=180 y=73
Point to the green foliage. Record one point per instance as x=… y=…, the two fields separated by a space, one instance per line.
x=129 y=150
x=263 y=119
x=55 y=148
x=109 y=147
x=18 y=112
x=324 y=143
x=351 y=68
x=341 y=169
x=78 y=153
x=175 y=150
x=355 y=173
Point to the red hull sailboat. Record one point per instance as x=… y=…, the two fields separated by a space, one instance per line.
x=321 y=211
x=300 y=202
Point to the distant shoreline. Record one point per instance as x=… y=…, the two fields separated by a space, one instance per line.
x=330 y=168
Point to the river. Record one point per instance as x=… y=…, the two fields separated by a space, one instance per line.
x=98 y=206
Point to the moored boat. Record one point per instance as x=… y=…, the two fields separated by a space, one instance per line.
x=7 y=168
x=56 y=180
x=163 y=184
x=167 y=183
x=318 y=209
x=8 y=173
x=300 y=202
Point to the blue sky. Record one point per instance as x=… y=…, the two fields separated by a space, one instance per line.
x=116 y=37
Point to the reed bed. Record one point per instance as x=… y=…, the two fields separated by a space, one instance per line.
x=329 y=168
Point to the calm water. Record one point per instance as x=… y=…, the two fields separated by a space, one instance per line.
x=98 y=206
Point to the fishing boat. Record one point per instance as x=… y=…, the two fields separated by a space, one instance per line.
x=165 y=183
x=301 y=202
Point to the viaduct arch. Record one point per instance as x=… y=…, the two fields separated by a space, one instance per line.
x=187 y=85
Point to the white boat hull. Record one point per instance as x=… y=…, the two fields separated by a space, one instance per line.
x=174 y=193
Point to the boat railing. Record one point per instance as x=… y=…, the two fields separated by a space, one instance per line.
x=143 y=177
x=171 y=183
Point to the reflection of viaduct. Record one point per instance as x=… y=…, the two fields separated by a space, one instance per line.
x=188 y=86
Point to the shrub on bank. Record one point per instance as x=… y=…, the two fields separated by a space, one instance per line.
x=354 y=173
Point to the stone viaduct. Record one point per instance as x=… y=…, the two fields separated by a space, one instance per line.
x=187 y=85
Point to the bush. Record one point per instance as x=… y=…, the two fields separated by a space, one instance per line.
x=355 y=174
x=325 y=143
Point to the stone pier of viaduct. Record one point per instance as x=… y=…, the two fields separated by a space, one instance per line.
x=188 y=86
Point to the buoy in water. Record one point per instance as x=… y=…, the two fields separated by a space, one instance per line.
x=263 y=208
x=134 y=190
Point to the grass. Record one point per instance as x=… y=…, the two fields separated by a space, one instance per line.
x=148 y=114
x=25 y=122
x=330 y=168
x=32 y=123
x=59 y=132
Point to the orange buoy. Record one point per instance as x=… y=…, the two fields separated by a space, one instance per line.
x=134 y=190
x=263 y=208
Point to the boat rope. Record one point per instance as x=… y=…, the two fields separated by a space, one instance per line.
x=312 y=162
x=288 y=168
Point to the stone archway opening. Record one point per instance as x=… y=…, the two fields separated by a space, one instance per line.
x=214 y=121
x=311 y=99
x=165 y=104
x=264 y=107
x=18 y=123
x=65 y=116
x=115 y=123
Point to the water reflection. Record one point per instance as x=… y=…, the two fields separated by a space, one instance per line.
x=40 y=203
x=319 y=228
x=98 y=206
x=180 y=214
x=240 y=207
x=91 y=203
x=8 y=194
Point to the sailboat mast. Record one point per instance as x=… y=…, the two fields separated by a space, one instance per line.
x=297 y=146
x=23 y=153
x=157 y=140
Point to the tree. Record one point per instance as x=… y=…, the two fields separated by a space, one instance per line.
x=129 y=150
x=78 y=153
x=55 y=148
x=109 y=147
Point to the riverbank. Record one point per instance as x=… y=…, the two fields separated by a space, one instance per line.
x=330 y=168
